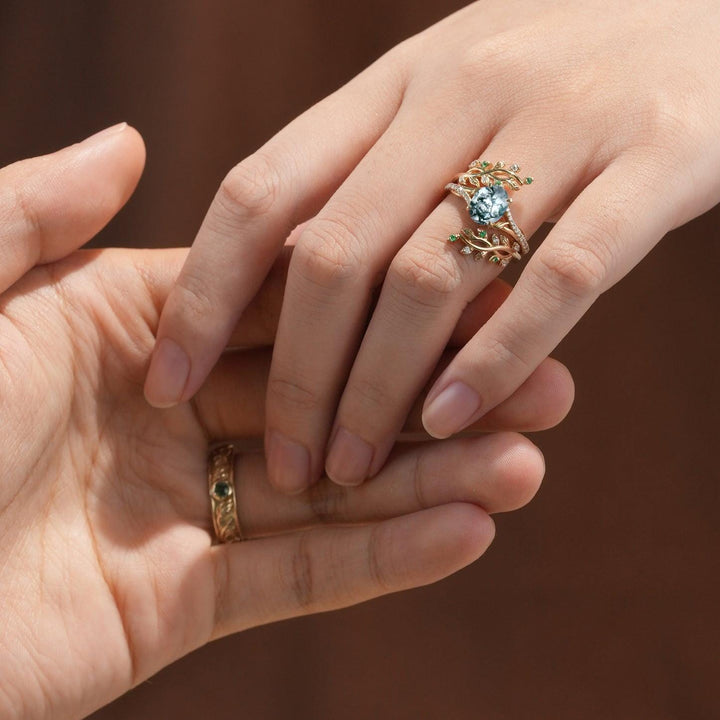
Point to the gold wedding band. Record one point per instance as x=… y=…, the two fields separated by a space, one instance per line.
x=223 y=499
x=484 y=188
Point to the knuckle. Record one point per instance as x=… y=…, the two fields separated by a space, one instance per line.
x=519 y=478
x=291 y=394
x=419 y=473
x=424 y=277
x=324 y=255
x=328 y=502
x=664 y=119
x=251 y=187
x=194 y=299
x=301 y=580
x=368 y=392
x=578 y=270
x=401 y=56
x=33 y=227
x=375 y=561
x=506 y=351
x=477 y=57
x=492 y=57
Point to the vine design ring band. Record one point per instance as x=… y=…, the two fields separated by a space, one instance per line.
x=484 y=188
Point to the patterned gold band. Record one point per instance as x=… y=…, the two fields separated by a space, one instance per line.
x=223 y=499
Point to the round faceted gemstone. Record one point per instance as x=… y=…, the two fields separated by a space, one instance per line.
x=489 y=204
x=221 y=490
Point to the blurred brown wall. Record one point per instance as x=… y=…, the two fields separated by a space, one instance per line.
x=598 y=601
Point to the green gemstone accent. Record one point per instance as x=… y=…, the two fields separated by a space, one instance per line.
x=484 y=164
x=453 y=238
x=495 y=259
x=482 y=234
x=528 y=181
x=221 y=490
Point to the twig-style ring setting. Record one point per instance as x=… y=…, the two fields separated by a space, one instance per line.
x=221 y=488
x=484 y=188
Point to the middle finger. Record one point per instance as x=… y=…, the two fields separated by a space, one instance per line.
x=336 y=264
x=427 y=286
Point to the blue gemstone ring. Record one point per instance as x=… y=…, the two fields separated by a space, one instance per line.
x=484 y=188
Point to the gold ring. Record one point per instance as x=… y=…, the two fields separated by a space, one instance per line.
x=223 y=499
x=484 y=188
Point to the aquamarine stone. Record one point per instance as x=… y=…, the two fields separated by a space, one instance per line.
x=489 y=204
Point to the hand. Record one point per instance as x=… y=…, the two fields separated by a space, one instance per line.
x=612 y=106
x=106 y=563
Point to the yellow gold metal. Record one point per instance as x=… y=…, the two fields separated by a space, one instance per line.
x=223 y=499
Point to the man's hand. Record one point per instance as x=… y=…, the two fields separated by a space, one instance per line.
x=106 y=564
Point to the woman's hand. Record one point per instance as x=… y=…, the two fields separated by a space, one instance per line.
x=613 y=108
x=106 y=564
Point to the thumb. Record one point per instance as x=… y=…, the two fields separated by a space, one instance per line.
x=51 y=205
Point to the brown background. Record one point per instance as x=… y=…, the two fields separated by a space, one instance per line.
x=601 y=599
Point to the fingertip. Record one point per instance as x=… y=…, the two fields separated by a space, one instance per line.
x=167 y=376
x=450 y=410
x=555 y=389
x=288 y=463
x=565 y=385
x=520 y=471
x=348 y=459
x=541 y=402
x=88 y=183
x=433 y=544
x=473 y=531
x=121 y=149
x=133 y=144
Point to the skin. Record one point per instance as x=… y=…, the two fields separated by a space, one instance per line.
x=613 y=108
x=105 y=533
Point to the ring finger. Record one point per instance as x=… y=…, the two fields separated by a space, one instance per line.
x=499 y=473
x=428 y=285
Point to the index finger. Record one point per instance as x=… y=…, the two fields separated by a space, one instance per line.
x=257 y=205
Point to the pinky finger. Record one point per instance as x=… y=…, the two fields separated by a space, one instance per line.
x=271 y=579
x=605 y=232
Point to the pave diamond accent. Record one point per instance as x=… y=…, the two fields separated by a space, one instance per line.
x=518 y=233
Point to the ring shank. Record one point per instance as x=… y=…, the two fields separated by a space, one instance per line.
x=221 y=489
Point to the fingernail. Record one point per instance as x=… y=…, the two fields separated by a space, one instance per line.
x=99 y=136
x=451 y=410
x=349 y=458
x=288 y=463
x=168 y=374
